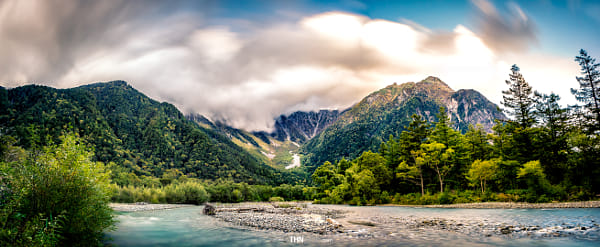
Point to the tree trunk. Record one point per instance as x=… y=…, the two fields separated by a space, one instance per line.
x=422 y=186
x=437 y=169
x=441 y=183
x=482 y=186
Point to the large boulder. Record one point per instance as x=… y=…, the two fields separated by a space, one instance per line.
x=209 y=210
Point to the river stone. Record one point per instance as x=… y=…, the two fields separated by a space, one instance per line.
x=209 y=209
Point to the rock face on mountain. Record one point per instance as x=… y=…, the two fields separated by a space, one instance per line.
x=300 y=126
x=387 y=111
x=297 y=127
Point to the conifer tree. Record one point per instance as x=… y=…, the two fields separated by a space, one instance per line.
x=518 y=98
x=552 y=137
x=589 y=86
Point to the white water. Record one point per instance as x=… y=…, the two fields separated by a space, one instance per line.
x=295 y=162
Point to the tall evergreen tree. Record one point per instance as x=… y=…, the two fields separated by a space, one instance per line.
x=443 y=131
x=589 y=86
x=518 y=98
x=552 y=137
x=457 y=160
x=476 y=141
x=411 y=139
x=409 y=147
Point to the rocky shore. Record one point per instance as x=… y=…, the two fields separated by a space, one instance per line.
x=344 y=222
x=142 y=206
x=285 y=217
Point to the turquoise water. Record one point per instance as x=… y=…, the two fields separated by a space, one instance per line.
x=188 y=227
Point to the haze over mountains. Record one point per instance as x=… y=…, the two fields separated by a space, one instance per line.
x=148 y=137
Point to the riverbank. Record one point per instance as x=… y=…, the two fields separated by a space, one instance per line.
x=349 y=222
x=135 y=207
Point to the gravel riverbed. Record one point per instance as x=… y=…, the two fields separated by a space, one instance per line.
x=346 y=222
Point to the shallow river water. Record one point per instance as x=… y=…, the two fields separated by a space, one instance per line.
x=466 y=227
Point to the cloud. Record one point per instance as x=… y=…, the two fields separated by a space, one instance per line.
x=514 y=32
x=243 y=76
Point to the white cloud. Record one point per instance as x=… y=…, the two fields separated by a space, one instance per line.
x=329 y=60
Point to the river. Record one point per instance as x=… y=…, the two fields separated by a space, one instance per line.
x=467 y=227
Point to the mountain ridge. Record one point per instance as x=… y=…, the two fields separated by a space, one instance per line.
x=130 y=129
x=387 y=111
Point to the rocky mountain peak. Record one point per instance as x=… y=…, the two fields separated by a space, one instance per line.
x=436 y=82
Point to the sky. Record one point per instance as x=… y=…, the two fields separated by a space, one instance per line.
x=247 y=62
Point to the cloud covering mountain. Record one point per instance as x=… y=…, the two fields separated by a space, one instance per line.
x=247 y=71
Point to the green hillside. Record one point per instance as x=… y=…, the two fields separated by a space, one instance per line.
x=387 y=111
x=130 y=129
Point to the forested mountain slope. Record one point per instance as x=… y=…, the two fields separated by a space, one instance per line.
x=130 y=129
x=387 y=111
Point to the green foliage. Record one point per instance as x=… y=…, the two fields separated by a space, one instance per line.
x=192 y=191
x=389 y=111
x=589 y=89
x=276 y=199
x=518 y=98
x=481 y=172
x=55 y=196
x=547 y=153
x=132 y=131
x=187 y=193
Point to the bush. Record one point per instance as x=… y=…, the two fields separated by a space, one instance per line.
x=276 y=199
x=58 y=196
x=188 y=192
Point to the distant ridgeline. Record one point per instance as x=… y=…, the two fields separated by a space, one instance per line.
x=329 y=135
x=147 y=137
x=126 y=127
x=388 y=111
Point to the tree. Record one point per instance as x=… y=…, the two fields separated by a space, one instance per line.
x=455 y=150
x=325 y=176
x=535 y=178
x=477 y=144
x=376 y=164
x=443 y=132
x=58 y=196
x=552 y=137
x=437 y=156
x=589 y=86
x=518 y=98
x=412 y=173
x=481 y=172
x=366 y=186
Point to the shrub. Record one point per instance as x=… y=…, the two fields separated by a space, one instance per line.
x=58 y=196
x=276 y=199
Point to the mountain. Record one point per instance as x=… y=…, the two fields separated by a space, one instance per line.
x=387 y=111
x=279 y=147
x=301 y=126
x=126 y=127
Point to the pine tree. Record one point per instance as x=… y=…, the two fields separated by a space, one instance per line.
x=518 y=98
x=443 y=131
x=409 y=147
x=552 y=116
x=476 y=141
x=551 y=144
x=589 y=86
